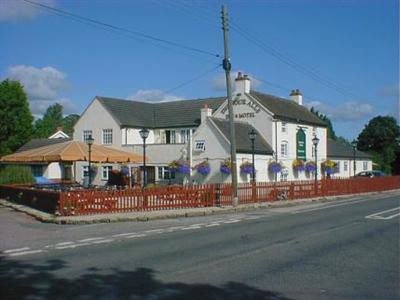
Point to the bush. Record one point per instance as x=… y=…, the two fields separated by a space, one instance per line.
x=16 y=174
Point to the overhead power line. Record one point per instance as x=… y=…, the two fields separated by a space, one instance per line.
x=192 y=80
x=291 y=62
x=203 y=13
x=120 y=29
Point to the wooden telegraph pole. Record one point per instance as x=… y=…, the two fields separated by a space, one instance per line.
x=226 y=64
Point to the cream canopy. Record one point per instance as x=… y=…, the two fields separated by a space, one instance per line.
x=73 y=151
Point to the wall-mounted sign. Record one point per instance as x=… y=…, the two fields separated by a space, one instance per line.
x=301 y=144
x=243 y=102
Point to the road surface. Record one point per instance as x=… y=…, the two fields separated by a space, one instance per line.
x=348 y=249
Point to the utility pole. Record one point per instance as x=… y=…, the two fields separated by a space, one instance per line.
x=226 y=64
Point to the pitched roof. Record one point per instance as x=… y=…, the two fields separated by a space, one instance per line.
x=37 y=143
x=339 y=150
x=287 y=110
x=184 y=113
x=243 y=143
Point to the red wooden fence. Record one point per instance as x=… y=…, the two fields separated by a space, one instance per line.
x=83 y=202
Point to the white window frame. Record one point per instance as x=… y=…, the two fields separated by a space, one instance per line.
x=284 y=149
x=104 y=168
x=107 y=136
x=164 y=173
x=284 y=127
x=365 y=165
x=84 y=169
x=200 y=145
x=86 y=134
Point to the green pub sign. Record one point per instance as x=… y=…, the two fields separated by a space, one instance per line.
x=301 y=144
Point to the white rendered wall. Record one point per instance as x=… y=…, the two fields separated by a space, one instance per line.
x=97 y=118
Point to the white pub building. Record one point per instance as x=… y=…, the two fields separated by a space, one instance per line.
x=189 y=140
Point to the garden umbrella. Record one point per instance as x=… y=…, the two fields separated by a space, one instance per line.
x=73 y=151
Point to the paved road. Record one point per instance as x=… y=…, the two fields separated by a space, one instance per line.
x=340 y=250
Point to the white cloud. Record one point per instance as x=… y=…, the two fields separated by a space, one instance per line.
x=153 y=96
x=15 y=10
x=43 y=86
x=218 y=83
x=344 y=112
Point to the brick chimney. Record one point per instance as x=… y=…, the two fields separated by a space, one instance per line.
x=242 y=84
x=205 y=112
x=297 y=96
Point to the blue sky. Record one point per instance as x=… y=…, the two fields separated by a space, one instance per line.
x=351 y=48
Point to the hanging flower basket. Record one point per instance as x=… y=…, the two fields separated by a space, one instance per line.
x=275 y=167
x=179 y=166
x=298 y=165
x=203 y=168
x=246 y=168
x=226 y=167
x=310 y=166
x=329 y=166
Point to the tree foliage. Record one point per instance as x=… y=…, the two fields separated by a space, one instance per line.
x=16 y=174
x=69 y=123
x=381 y=137
x=15 y=117
x=52 y=119
x=331 y=132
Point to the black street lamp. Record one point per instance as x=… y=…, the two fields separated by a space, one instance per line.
x=252 y=136
x=89 y=141
x=354 y=145
x=144 y=133
x=315 y=142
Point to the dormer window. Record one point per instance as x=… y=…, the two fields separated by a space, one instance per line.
x=200 y=145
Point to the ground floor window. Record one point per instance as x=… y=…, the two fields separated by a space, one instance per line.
x=165 y=173
x=105 y=171
x=345 y=166
x=85 y=170
x=365 y=165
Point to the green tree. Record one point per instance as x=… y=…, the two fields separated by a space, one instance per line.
x=69 y=123
x=331 y=132
x=52 y=119
x=381 y=137
x=15 y=117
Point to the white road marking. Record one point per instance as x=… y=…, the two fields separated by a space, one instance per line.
x=190 y=227
x=26 y=252
x=213 y=224
x=379 y=215
x=155 y=231
x=135 y=235
x=91 y=239
x=64 y=243
x=16 y=250
x=123 y=234
x=231 y=221
x=102 y=241
x=72 y=246
x=326 y=207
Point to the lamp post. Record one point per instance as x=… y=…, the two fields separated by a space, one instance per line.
x=252 y=136
x=89 y=142
x=144 y=133
x=315 y=142
x=354 y=145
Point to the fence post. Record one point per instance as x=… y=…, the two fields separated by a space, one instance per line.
x=291 y=191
